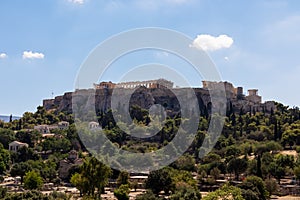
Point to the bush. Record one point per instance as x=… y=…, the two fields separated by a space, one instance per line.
x=32 y=180
x=257 y=185
x=249 y=195
x=159 y=180
x=149 y=195
x=3 y=192
x=271 y=186
x=185 y=192
x=122 y=192
x=225 y=192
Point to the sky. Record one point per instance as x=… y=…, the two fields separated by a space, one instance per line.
x=254 y=44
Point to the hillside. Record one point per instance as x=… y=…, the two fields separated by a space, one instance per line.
x=256 y=155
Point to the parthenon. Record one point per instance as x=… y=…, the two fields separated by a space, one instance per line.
x=158 y=83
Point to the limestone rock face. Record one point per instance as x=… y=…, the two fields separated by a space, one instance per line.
x=84 y=100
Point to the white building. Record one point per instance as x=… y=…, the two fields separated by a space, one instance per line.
x=42 y=129
x=15 y=146
x=63 y=125
x=94 y=125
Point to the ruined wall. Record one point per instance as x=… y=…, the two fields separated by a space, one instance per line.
x=146 y=97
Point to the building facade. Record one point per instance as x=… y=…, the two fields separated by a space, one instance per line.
x=15 y=146
x=158 y=83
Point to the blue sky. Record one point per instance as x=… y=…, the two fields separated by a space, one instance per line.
x=43 y=43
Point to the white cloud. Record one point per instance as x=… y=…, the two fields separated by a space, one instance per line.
x=226 y=58
x=3 y=55
x=211 y=43
x=32 y=55
x=77 y=1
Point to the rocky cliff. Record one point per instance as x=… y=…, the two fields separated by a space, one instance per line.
x=146 y=97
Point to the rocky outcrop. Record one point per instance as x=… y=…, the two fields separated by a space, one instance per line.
x=145 y=98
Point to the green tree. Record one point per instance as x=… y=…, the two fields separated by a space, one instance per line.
x=148 y=195
x=271 y=186
x=123 y=178
x=185 y=192
x=33 y=180
x=3 y=192
x=4 y=159
x=159 y=180
x=276 y=171
x=28 y=137
x=96 y=175
x=257 y=185
x=20 y=169
x=56 y=144
x=122 y=193
x=215 y=173
x=297 y=173
x=185 y=162
x=25 y=153
x=237 y=166
x=79 y=182
x=226 y=192
x=6 y=136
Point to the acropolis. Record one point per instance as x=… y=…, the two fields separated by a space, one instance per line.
x=157 y=83
x=234 y=93
x=161 y=94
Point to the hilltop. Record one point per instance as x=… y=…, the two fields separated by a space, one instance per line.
x=256 y=155
x=150 y=92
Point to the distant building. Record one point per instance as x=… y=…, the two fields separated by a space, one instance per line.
x=94 y=125
x=46 y=129
x=15 y=146
x=231 y=91
x=104 y=84
x=253 y=96
x=66 y=164
x=63 y=125
x=48 y=135
x=43 y=129
x=158 y=83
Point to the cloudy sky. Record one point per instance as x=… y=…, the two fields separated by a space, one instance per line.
x=254 y=44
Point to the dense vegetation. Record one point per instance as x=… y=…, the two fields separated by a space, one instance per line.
x=248 y=155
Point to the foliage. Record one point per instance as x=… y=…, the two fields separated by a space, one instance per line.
x=6 y=137
x=24 y=154
x=159 y=180
x=185 y=192
x=181 y=176
x=20 y=169
x=122 y=193
x=149 y=195
x=251 y=134
x=4 y=159
x=92 y=178
x=56 y=144
x=226 y=192
x=79 y=182
x=36 y=195
x=257 y=185
x=271 y=186
x=185 y=162
x=297 y=172
x=32 y=180
x=29 y=137
x=3 y=192
x=238 y=166
x=123 y=178
x=215 y=173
